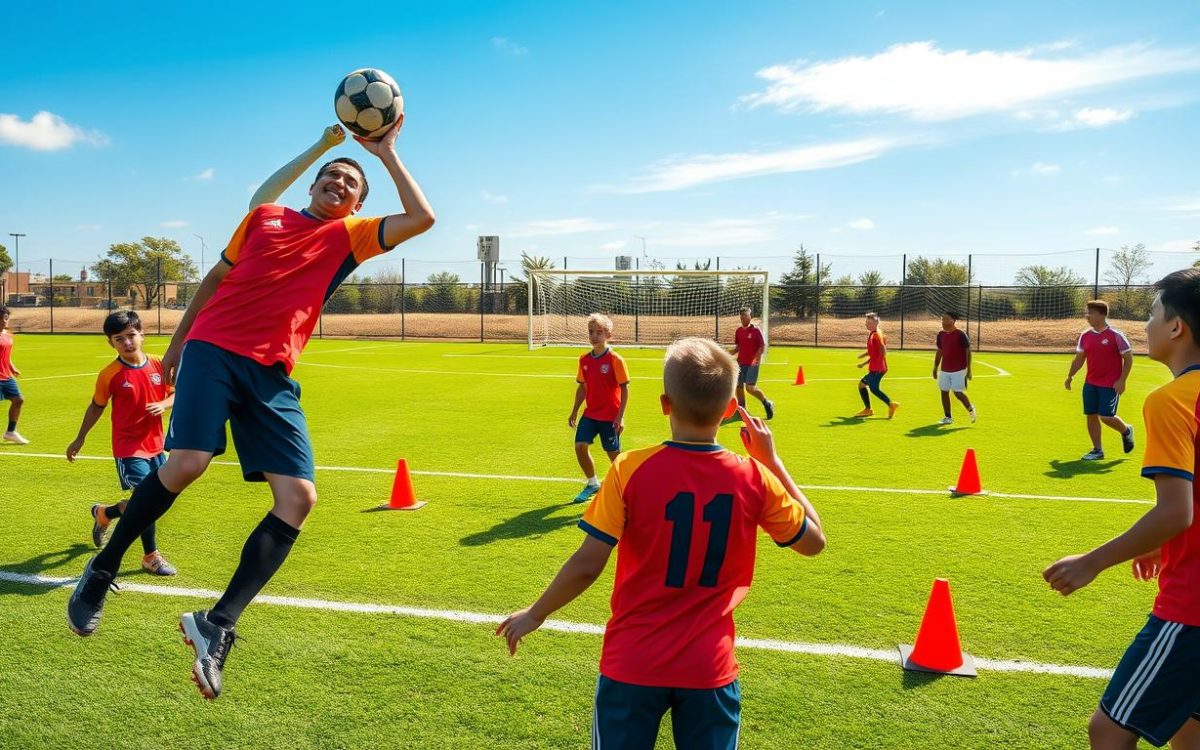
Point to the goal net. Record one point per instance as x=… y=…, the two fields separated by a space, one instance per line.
x=648 y=308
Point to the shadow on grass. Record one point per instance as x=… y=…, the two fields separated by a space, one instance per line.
x=1069 y=469
x=845 y=421
x=35 y=566
x=913 y=680
x=933 y=430
x=531 y=523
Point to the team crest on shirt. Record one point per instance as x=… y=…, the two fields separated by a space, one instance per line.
x=604 y=369
x=1104 y=341
x=156 y=378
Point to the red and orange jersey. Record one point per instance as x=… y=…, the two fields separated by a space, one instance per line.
x=135 y=432
x=285 y=265
x=602 y=378
x=684 y=518
x=1172 y=415
x=877 y=359
x=6 y=347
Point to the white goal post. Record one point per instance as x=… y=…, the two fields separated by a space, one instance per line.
x=648 y=308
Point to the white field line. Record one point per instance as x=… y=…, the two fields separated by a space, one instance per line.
x=478 y=618
x=570 y=480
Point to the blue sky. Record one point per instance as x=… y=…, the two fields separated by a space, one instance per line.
x=863 y=130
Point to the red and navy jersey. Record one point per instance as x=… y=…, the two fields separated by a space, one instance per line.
x=953 y=345
x=877 y=359
x=602 y=378
x=6 y=347
x=749 y=342
x=1103 y=350
x=285 y=265
x=135 y=432
x=684 y=518
x=1172 y=415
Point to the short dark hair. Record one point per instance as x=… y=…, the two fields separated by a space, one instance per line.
x=4 y=310
x=953 y=315
x=1180 y=298
x=1099 y=306
x=348 y=161
x=119 y=321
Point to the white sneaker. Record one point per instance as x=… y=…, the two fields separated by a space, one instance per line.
x=946 y=420
x=15 y=437
x=974 y=416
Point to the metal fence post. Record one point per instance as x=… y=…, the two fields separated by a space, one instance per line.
x=968 y=312
x=482 y=266
x=817 y=307
x=403 y=296
x=717 y=314
x=52 y=295
x=158 y=291
x=903 y=295
x=979 y=323
x=637 y=299
x=1096 y=278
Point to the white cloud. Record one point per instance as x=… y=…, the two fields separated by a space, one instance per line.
x=554 y=227
x=1099 y=117
x=615 y=245
x=508 y=46
x=678 y=174
x=1103 y=231
x=923 y=82
x=174 y=224
x=492 y=197
x=1044 y=169
x=207 y=174
x=88 y=227
x=862 y=225
x=1176 y=246
x=46 y=131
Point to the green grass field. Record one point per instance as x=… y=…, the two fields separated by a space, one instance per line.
x=314 y=678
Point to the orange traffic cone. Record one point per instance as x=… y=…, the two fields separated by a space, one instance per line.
x=403 y=495
x=938 y=649
x=799 y=376
x=968 y=477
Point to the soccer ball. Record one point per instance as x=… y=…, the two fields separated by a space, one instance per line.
x=368 y=102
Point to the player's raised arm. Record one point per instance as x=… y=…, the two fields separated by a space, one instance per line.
x=418 y=216
x=283 y=178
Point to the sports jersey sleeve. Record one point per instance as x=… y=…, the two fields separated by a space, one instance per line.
x=1079 y=343
x=604 y=519
x=1171 y=429
x=102 y=394
x=234 y=248
x=1122 y=342
x=579 y=371
x=964 y=339
x=619 y=370
x=366 y=237
x=782 y=516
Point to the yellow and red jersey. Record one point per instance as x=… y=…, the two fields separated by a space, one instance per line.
x=285 y=265
x=1172 y=415
x=877 y=357
x=684 y=518
x=602 y=378
x=135 y=432
x=6 y=347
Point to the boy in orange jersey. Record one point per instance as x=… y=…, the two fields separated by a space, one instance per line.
x=140 y=393
x=1154 y=693
x=684 y=518
x=604 y=385
x=876 y=363
x=8 y=382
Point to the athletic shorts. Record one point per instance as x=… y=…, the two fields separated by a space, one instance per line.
x=747 y=374
x=953 y=381
x=131 y=471
x=1100 y=400
x=9 y=389
x=1155 y=689
x=627 y=716
x=589 y=428
x=260 y=402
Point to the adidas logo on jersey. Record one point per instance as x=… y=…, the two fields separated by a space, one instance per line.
x=126 y=384
x=274 y=223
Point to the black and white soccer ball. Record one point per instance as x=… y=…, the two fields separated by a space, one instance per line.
x=368 y=102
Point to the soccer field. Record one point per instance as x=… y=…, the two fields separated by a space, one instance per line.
x=380 y=630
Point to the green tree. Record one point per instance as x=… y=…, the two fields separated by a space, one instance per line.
x=137 y=267
x=1050 y=292
x=797 y=290
x=6 y=261
x=1127 y=271
x=443 y=287
x=921 y=280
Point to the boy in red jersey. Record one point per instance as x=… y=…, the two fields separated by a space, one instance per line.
x=1154 y=692
x=684 y=518
x=8 y=382
x=604 y=384
x=140 y=393
x=875 y=360
x=1109 y=359
x=231 y=358
x=748 y=347
x=953 y=357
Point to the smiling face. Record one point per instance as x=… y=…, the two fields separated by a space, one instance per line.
x=337 y=192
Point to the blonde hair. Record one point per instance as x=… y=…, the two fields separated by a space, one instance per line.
x=603 y=321
x=699 y=378
x=873 y=316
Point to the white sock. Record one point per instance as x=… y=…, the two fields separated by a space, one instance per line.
x=593 y=482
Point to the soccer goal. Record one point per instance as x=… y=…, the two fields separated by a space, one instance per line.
x=648 y=308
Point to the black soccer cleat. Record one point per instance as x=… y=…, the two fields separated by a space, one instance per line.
x=212 y=644
x=87 y=600
x=1127 y=440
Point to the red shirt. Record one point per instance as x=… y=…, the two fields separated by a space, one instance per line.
x=285 y=265
x=6 y=345
x=1172 y=416
x=749 y=342
x=135 y=432
x=877 y=361
x=1103 y=350
x=602 y=377
x=953 y=345
x=684 y=518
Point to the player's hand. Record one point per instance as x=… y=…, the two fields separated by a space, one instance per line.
x=334 y=135
x=1146 y=567
x=757 y=437
x=571 y=420
x=16 y=372
x=73 y=450
x=935 y=374
x=384 y=144
x=170 y=364
x=1067 y=384
x=618 y=426
x=156 y=408
x=516 y=626
x=1070 y=574
x=968 y=374
x=862 y=365
x=1119 y=386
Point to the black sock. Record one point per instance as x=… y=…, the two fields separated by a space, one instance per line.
x=866 y=398
x=12 y=425
x=265 y=550
x=112 y=511
x=150 y=500
x=149 y=543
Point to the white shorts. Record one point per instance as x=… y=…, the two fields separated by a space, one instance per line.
x=953 y=381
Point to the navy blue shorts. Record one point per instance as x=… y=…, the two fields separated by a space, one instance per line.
x=589 y=428
x=260 y=403
x=131 y=471
x=747 y=374
x=1100 y=400
x=9 y=389
x=627 y=716
x=1154 y=690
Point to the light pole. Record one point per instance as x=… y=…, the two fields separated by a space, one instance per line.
x=643 y=239
x=203 y=247
x=17 y=253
